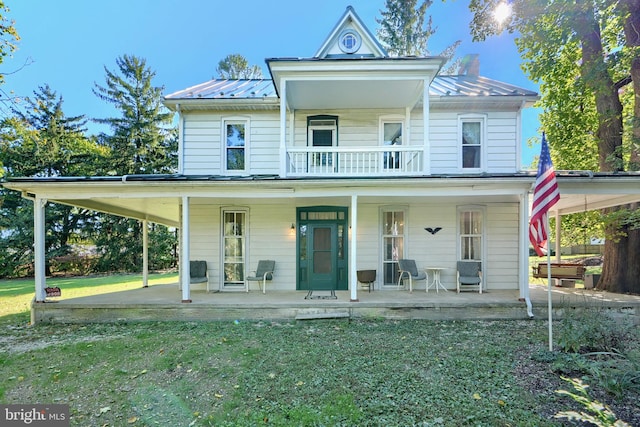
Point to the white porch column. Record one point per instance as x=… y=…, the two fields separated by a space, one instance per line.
x=353 y=254
x=523 y=276
x=558 y=232
x=145 y=253
x=426 y=160
x=184 y=255
x=283 y=128
x=39 y=249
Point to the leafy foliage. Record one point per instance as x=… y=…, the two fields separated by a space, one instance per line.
x=236 y=66
x=143 y=142
x=598 y=414
x=42 y=142
x=405 y=30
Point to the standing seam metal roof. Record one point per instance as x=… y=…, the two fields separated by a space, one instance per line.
x=449 y=86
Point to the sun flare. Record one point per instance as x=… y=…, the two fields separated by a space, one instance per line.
x=502 y=12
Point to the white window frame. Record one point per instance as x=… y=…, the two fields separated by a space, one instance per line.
x=395 y=119
x=481 y=234
x=482 y=120
x=244 y=247
x=235 y=120
x=404 y=235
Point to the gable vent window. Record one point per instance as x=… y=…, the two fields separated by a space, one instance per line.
x=350 y=41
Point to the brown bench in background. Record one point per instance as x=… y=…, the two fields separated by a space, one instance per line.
x=559 y=271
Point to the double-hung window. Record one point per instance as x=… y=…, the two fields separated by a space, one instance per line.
x=235 y=145
x=472 y=142
x=471 y=232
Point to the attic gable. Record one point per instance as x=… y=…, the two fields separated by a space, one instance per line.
x=351 y=38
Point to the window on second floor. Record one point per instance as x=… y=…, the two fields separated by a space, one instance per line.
x=236 y=138
x=472 y=142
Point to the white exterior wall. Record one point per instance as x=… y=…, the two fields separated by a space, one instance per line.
x=503 y=250
x=203 y=153
x=203 y=149
x=500 y=150
x=270 y=237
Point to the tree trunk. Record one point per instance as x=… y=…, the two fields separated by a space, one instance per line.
x=596 y=76
x=595 y=73
x=631 y=9
x=621 y=268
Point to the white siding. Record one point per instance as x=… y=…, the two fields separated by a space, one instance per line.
x=203 y=143
x=203 y=151
x=500 y=146
x=270 y=237
x=502 y=246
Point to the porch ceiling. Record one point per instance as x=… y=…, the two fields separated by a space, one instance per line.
x=321 y=94
x=158 y=200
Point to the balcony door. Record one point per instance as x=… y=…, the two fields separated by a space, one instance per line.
x=322 y=132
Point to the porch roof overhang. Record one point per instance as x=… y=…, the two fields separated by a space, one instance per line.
x=362 y=82
x=157 y=198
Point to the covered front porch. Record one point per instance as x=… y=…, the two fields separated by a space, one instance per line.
x=161 y=303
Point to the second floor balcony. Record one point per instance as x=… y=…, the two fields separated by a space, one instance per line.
x=351 y=161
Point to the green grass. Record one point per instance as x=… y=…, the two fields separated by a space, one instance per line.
x=358 y=373
x=367 y=372
x=16 y=294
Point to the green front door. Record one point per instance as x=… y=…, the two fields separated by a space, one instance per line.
x=322 y=256
x=322 y=248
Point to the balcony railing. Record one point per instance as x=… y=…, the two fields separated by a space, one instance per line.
x=360 y=161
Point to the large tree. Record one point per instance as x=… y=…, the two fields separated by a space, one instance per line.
x=582 y=53
x=8 y=38
x=405 y=30
x=41 y=141
x=236 y=66
x=143 y=141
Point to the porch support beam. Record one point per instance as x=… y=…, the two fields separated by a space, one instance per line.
x=523 y=275
x=353 y=255
x=145 y=253
x=426 y=161
x=283 y=128
x=184 y=253
x=39 y=248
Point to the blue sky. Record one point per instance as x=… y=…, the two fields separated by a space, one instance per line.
x=67 y=44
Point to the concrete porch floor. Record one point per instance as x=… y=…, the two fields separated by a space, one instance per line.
x=163 y=302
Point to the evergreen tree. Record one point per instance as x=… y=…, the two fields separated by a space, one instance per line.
x=405 y=30
x=42 y=142
x=143 y=141
x=236 y=66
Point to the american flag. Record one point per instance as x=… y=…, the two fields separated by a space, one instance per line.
x=545 y=195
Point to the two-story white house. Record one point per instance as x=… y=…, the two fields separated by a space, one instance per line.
x=340 y=162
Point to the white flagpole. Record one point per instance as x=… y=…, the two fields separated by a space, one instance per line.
x=549 y=305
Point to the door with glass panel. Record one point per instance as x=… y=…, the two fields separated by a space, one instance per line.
x=392 y=135
x=234 y=229
x=393 y=228
x=322 y=241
